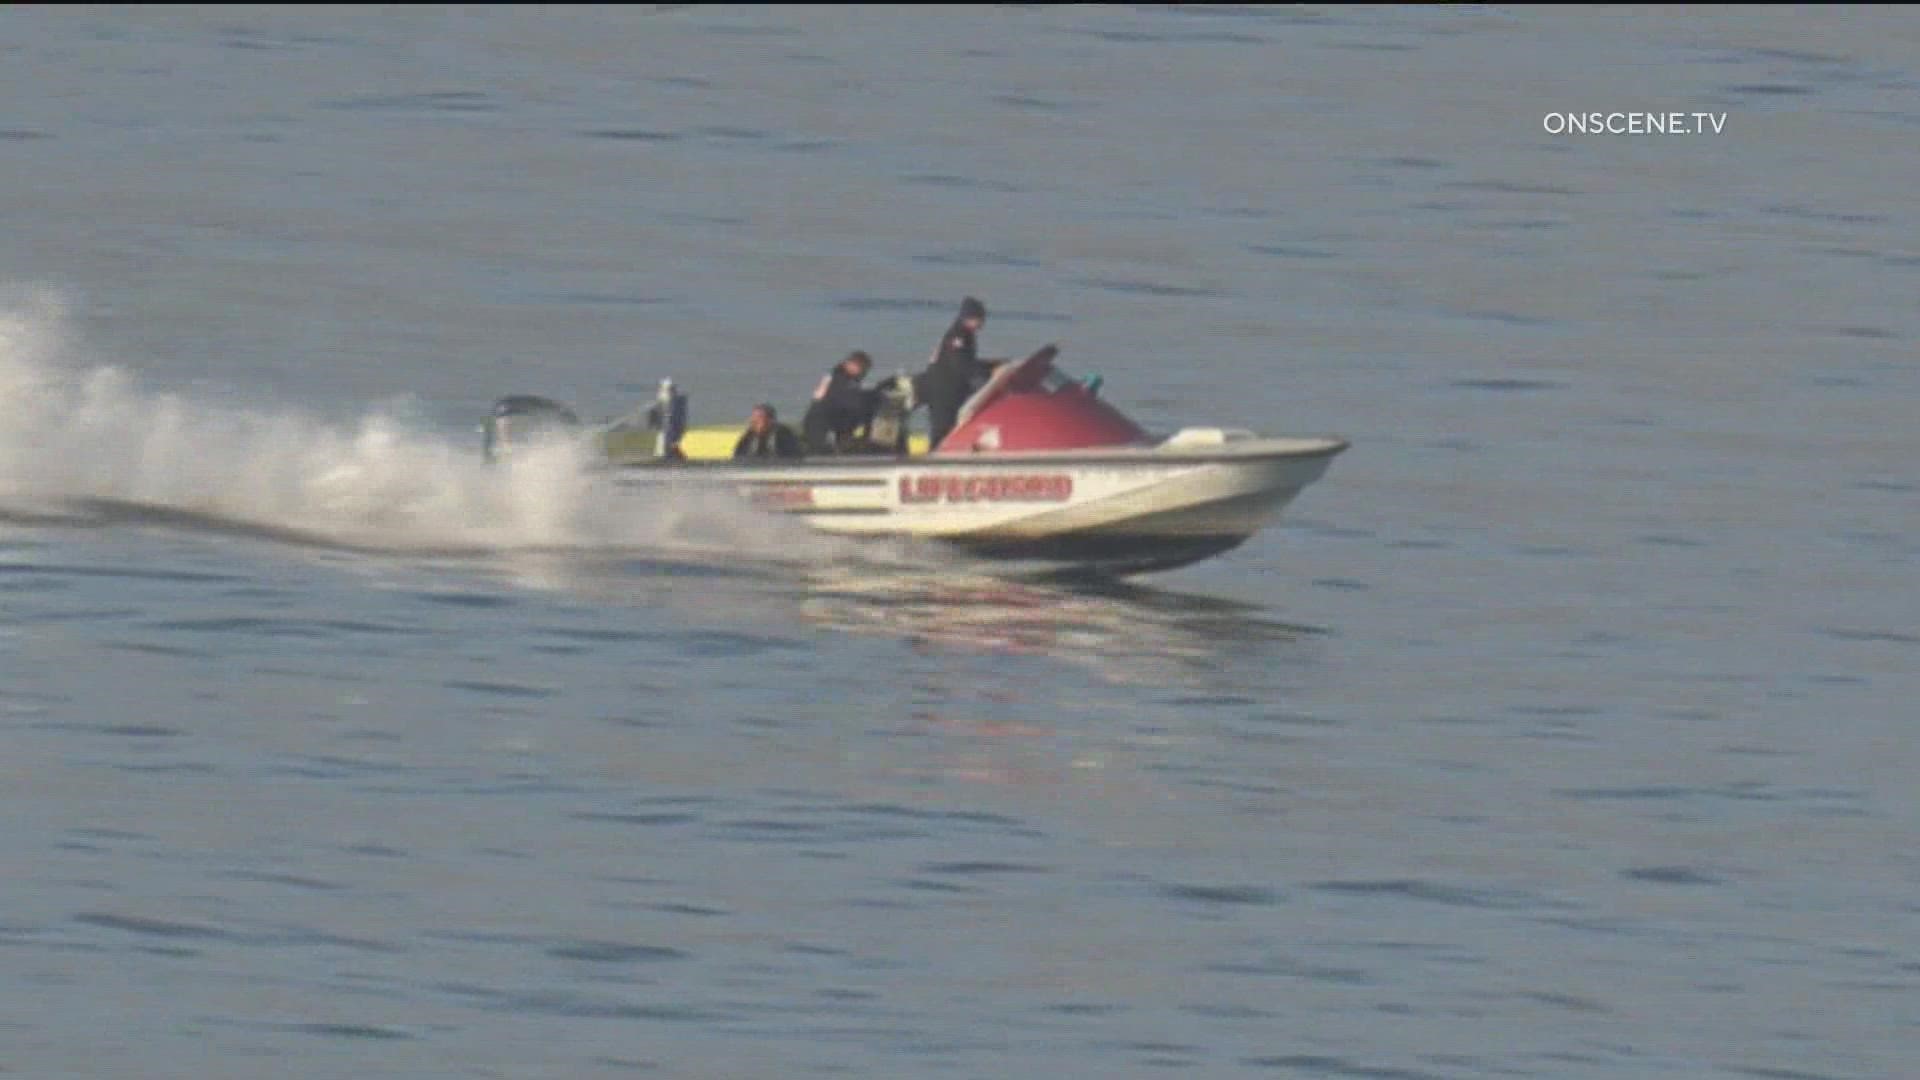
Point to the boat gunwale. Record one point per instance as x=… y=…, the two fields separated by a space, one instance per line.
x=1328 y=446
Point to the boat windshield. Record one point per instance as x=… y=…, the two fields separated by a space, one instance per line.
x=1056 y=379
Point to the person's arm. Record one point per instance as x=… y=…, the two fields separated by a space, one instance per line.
x=740 y=445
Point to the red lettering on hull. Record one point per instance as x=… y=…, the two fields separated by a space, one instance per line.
x=782 y=496
x=991 y=487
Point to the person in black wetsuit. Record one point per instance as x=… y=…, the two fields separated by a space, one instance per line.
x=841 y=406
x=766 y=437
x=956 y=372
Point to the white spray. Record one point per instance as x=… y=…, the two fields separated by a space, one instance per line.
x=74 y=438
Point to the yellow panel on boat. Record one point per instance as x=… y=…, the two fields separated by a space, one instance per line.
x=710 y=443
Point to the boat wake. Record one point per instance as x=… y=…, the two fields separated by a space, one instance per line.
x=88 y=447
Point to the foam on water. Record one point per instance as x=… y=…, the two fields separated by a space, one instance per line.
x=88 y=444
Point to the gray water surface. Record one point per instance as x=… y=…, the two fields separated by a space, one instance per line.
x=1563 y=730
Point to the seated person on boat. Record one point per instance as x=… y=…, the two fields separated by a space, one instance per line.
x=766 y=436
x=841 y=406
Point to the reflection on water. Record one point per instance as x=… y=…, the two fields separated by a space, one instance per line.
x=1126 y=633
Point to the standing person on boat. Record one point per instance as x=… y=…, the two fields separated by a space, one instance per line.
x=841 y=406
x=954 y=374
x=766 y=436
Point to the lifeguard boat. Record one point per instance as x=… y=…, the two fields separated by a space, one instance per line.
x=1039 y=469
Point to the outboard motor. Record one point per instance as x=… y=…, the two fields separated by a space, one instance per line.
x=668 y=419
x=522 y=418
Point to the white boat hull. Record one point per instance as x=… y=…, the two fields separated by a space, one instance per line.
x=1111 y=512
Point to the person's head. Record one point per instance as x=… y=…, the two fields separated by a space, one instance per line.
x=973 y=313
x=762 y=418
x=857 y=364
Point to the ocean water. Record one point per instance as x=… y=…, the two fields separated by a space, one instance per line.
x=1565 y=729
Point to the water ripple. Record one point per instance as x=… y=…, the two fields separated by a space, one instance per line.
x=633 y=135
x=1291 y=251
x=576 y=1004
x=973 y=869
x=1223 y=894
x=143 y=925
x=1768 y=89
x=1134 y=287
x=352 y=1031
x=129 y=573
x=648 y=820
x=1670 y=875
x=500 y=689
x=1889 y=637
x=615 y=952
x=1282 y=967
x=1509 y=187
x=1315 y=1065
x=1453 y=896
x=871 y=303
x=458 y=101
x=295 y=881
x=1662 y=792
x=1508 y=385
